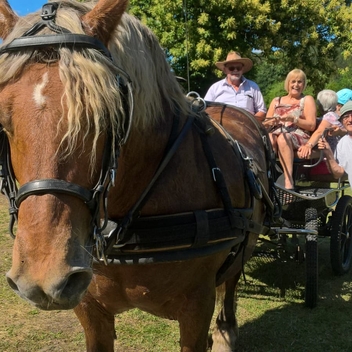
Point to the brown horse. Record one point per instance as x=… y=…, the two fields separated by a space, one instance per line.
x=97 y=134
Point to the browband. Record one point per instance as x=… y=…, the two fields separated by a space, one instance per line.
x=69 y=40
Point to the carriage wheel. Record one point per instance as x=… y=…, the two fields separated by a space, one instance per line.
x=311 y=292
x=340 y=236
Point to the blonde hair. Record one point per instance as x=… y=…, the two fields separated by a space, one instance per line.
x=296 y=73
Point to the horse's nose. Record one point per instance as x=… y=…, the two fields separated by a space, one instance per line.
x=65 y=293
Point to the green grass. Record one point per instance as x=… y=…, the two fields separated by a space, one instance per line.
x=271 y=313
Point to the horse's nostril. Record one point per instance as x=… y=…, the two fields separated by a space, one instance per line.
x=11 y=283
x=76 y=282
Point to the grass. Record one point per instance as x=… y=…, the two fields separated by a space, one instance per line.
x=271 y=312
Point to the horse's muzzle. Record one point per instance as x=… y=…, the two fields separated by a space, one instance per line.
x=64 y=293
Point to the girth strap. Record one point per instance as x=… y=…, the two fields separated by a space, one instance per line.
x=192 y=229
x=202 y=229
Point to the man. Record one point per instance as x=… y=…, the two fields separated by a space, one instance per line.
x=341 y=162
x=235 y=89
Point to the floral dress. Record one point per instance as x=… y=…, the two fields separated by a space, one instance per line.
x=298 y=136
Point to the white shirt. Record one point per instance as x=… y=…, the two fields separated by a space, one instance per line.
x=343 y=155
x=248 y=96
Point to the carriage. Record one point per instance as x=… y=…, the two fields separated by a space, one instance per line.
x=318 y=208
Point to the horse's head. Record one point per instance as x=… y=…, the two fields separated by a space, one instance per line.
x=59 y=96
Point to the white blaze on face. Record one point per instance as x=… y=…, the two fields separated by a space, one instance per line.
x=38 y=96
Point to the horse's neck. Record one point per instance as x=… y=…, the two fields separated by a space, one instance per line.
x=138 y=162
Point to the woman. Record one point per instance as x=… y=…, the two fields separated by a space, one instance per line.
x=327 y=103
x=292 y=119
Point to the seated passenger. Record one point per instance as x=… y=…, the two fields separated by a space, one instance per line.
x=292 y=118
x=235 y=89
x=340 y=162
x=326 y=102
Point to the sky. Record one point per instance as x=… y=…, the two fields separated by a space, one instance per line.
x=22 y=7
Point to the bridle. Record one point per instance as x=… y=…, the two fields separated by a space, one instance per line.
x=99 y=193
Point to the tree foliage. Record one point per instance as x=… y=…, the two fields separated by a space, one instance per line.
x=295 y=33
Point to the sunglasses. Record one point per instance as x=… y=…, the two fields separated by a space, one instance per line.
x=233 y=68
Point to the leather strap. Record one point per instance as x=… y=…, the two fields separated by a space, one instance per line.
x=66 y=40
x=46 y=186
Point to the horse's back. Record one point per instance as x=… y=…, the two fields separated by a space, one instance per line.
x=243 y=128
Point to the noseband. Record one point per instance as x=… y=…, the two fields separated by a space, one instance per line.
x=91 y=197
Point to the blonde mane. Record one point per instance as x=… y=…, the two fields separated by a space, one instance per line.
x=92 y=95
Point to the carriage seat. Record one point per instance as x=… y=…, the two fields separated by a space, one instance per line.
x=303 y=173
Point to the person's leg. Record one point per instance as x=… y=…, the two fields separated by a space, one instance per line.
x=286 y=156
x=273 y=140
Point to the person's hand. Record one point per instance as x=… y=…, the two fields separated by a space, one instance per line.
x=333 y=131
x=270 y=122
x=304 y=151
x=289 y=118
x=323 y=144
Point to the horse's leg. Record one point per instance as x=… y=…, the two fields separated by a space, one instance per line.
x=225 y=332
x=194 y=320
x=98 y=325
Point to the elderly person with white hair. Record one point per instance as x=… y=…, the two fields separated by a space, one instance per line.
x=340 y=161
x=326 y=101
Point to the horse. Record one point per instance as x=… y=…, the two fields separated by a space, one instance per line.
x=125 y=193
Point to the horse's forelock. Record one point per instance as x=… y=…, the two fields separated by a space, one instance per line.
x=136 y=49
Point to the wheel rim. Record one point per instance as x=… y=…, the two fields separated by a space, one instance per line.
x=345 y=236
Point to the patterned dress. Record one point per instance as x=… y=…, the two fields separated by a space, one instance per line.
x=333 y=119
x=298 y=136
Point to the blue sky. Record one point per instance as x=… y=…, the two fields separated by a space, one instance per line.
x=22 y=7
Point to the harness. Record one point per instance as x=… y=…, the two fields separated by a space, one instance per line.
x=136 y=239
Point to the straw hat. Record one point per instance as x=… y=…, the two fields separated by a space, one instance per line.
x=234 y=57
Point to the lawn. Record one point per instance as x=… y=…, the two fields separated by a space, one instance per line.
x=271 y=312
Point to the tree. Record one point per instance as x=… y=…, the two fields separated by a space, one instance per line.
x=297 y=33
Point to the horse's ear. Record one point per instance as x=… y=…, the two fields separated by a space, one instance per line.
x=8 y=19
x=102 y=20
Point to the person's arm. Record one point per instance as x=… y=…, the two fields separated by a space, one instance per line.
x=270 y=115
x=271 y=109
x=259 y=104
x=336 y=170
x=308 y=123
x=305 y=151
x=260 y=115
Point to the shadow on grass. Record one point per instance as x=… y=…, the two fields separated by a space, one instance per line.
x=275 y=288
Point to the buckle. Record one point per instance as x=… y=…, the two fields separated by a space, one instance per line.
x=49 y=11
